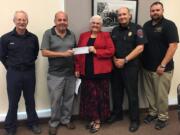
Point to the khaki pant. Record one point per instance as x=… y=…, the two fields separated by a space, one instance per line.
x=156 y=90
x=61 y=90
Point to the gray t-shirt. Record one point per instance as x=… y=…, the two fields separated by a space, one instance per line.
x=59 y=66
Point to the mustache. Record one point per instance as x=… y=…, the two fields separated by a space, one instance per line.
x=95 y=27
x=156 y=15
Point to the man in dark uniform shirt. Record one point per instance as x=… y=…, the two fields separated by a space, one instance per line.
x=18 y=52
x=158 y=65
x=129 y=43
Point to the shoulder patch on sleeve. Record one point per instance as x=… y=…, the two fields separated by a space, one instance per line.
x=140 y=33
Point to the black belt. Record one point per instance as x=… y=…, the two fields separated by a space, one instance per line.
x=22 y=68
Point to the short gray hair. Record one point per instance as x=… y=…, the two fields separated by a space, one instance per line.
x=96 y=17
x=60 y=12
x=20 y=11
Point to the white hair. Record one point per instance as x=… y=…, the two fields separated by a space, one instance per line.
x=20 y=11
x=96 y=17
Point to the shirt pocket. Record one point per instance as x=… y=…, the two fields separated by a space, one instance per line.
x=30 y=46
x=12 y=46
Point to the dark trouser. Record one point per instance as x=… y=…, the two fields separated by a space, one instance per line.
x=126 y=78
x=18 y=81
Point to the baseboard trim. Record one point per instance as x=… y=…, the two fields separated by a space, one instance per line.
x=173 y=101
x=45 y=113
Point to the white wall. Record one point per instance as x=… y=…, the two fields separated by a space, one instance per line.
x=172 y=12
x=41 y=16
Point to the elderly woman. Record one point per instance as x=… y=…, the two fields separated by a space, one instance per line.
x=94 y=69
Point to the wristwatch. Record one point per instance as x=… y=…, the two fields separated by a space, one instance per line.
x=125 y=60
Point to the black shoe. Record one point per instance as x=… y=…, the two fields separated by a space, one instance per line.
x=160 y=124
x=10 y=133
x=95 y=128
x=52 y=130
x=149 y=118
x=134 y=126
x=113 y=118
x=35 y=129
x=89 y=125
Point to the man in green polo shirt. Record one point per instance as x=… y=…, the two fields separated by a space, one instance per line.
x=57 y=45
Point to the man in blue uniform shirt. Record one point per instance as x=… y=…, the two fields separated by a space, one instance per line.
x=129 y=42
x=18 y=52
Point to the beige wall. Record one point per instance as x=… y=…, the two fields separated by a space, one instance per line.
x=41 y=16
x=172 y=12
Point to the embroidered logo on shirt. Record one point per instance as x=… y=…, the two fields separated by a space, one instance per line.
x=158 y=29
x=140 y=33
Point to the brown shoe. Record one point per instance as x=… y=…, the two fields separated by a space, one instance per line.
x=52 y=131
x=69 y=125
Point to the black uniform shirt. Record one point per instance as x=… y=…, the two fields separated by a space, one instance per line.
x=159 y=36
x=126 y=39
x=19 y=51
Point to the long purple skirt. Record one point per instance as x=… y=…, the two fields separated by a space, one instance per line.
x=94 y=100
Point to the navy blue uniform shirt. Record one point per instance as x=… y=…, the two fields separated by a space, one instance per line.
x=126 y=39
x=19 y=51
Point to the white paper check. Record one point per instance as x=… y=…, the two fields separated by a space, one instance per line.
x=81 y=50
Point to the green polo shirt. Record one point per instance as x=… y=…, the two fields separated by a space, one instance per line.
x=59 y=66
